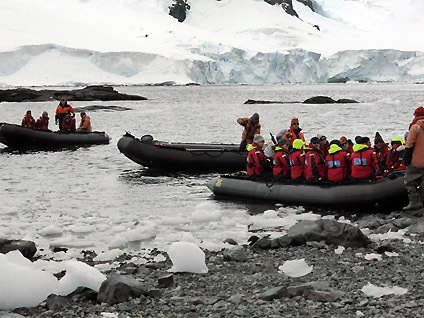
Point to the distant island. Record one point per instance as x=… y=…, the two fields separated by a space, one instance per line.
x=312 y=100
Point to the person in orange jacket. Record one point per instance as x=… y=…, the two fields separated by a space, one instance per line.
x=85 y=124
x=28 y=121
x=293 y=133
x=252 y=127
x=68 y=123
x=61 y=111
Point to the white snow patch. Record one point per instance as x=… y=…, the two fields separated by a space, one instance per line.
x=339 y=250
x=109 y=255
x=376 y=291
x=187 y=257
x=399 y=235
x=372 y=256
x=391 y=254
x=296 y=268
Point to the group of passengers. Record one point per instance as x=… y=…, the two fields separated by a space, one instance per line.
x=292 y=158
x=65 y=117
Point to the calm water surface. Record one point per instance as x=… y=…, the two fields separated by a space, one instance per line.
x=92 y=196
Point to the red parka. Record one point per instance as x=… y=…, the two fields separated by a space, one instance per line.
x=297 y=163
x=28 y=121
x=395 y=158
x=381 y=155
x=316 y=168
x=338 y=164
x=256 y=161
x=42 y=123
x=364 y=162
x=68 y=123
x=281 y=163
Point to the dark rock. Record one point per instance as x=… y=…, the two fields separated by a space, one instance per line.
x=154 y=293
x=166 y=281
x=417 y=227
x=253 y=239
x=371 y=222
x=319 y=100
x=316 y=26
x=56 y=303
x=330 y=231
x=27 y=248
x=287 y=5
x=178 y=9
x=95 y=92
x=346 y=101
x=324 y=295
x=117 y=289
x=384 y=248
x=404 y=222
x=252 y=101
x=236 y=254
x=230 y=241
x=84 y=293
x=94 y=108
x=337 y=80
x=386 y=228
x=275 y=293
x=307 y=3
x=315 y=291
x=57 y=249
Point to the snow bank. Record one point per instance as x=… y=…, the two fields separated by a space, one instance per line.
x=187 y=257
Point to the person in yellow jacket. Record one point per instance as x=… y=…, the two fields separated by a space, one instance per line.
x=85 y=124
x=252 y=127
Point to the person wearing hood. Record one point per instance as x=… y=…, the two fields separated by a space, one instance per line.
x=297 y=160
x=418 y=115
x=28 y=121
x=316 y=169
x=395 y=156
x=252 y=127
x=43 y=122
x=338 y=162
x=381 y=152
x=414 y=160
x=364 y=161
x=281 y=169
x=347 y=144
x=61 y=111
x=257 y=164
x=293 y=133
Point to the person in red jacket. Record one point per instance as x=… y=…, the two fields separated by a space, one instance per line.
x=338 y=162
x=28 y=120
x=281 y=169
x=364 y=161
x=43 y=122
x=61 y=111
x=381 y=151
x=324 y=145
x=257 y=163
x=347 y=144
x=316 y=169
x=68 y=123
x=297 y=160
x=395 y=156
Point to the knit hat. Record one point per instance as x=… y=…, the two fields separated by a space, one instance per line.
x=45 y=114
x=314 y=140
x=320 y=136
x=294 y=120
x=398 y=139
x=282 y=142
x=336 y=142
x=28 y=112
x=298 y=143
x=419 y=111
x=255 y=117
x=342 y=139
x=258 y=138
x=358 y=139
x=378 y=138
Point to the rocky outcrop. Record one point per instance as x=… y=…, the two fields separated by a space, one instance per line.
x=178 y=9
x=95 y=92
x=27 y=248
x=307 y=3
x=117 y=289
x=287 y=5
x=327 y=100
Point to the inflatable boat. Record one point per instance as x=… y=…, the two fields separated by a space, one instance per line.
x=388 y=191
x=194 y=157
x=21 y=137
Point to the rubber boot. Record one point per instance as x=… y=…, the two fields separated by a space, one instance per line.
x=415 y=202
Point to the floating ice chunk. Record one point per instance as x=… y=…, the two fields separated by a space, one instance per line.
x=391 y=254
x=339 y=250
x=23 y=285
x=187 y=257
x=140 y=234
x=50 y=266
x=82 y=228
x=118 y=241
x=188 y=237
x=296 y=268
x=105 y=267
x=50 y=230
x=371 y=256
x=375 y=291
x=109 y=255
x=79 y=274
x=202 y=216
x=175 y=220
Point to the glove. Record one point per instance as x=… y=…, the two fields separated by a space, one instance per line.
x=407 y=156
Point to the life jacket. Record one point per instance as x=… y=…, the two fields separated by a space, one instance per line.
x=297 y=164
x=338 y=164
x=255 y=161
x=291 y=135
x=364 y=162
x=281 y=162
x=62 y=111
x=381 y=156
x=68 y=123
x=316 y=168
x=28 y=121
x=395 y=159
x=42 y=123
x=324 y=149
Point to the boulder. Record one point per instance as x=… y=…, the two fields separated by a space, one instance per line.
x=57 y=303
x=315 y=291
x=117 y=289
x=27 y=248
x=275 y=293
x=236 y=254
x=166 y=281
x=319 y=100
x=346 y=101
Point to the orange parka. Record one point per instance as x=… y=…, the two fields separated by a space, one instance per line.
x=85 y=124
x=416 y=139
x=250 y=129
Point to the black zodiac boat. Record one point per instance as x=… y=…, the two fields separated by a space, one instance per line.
x=21 y=137
x=198 y=157
x=388 y=191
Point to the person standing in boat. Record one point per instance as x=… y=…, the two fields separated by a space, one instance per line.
x=28 y=121
x=43 y=122
x=338 y=162
x=414 y=160
x=68 y=123
x=381 y=152
x=281 y=169
x=316 y=169
x=395 y=156
x=85 y=124
x=61 y=111
x=364 y=161
x=252 y=127
x=297 y=160
x=257 y=164
x=293 y=133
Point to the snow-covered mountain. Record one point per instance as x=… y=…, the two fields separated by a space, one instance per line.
x=50 y=42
